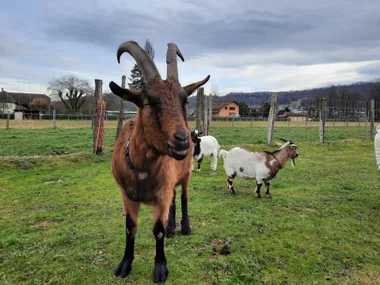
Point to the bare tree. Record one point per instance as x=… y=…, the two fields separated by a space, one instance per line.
x=214 y=90
x=71 y=91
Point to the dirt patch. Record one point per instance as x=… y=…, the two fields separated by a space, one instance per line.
x=274 y=211
x=26 y=165
x=58 y=152
x=221 y=247
x=44 y=223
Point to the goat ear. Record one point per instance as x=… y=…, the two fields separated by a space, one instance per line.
x=130 y=95
x=192 y=87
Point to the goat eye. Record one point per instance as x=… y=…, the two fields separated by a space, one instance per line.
x=147 y=106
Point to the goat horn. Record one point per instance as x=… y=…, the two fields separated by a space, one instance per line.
x=171 y=60
x=284 y=140
x=143 y=60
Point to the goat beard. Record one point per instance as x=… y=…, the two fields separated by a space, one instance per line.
x=293 y=162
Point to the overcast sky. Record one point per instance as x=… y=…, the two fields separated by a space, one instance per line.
x=244 y=45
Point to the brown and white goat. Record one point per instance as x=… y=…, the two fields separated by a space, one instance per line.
x=153 y=153
x=260 y=165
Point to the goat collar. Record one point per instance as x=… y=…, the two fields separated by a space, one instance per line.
x=129 y=161
x=279 y=164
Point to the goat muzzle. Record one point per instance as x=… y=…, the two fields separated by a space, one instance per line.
x=179 y=145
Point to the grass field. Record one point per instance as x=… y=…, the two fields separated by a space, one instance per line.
x=61 y=217
x=35 y=138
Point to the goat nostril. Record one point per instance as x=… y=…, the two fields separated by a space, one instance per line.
x=181 y=136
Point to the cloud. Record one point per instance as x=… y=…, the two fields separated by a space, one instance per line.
x=244 y=45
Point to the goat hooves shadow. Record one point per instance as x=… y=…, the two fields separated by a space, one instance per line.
x=124 y=268
x=160 y=273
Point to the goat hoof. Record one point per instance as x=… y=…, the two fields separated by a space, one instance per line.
x=185 y=229
x=268 y=196
x=160 y=273
x=170 y=234
x=124 y=268
x=257 y=195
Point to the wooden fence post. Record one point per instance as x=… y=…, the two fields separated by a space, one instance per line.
x=209 y=115
x=271 y=117
x=8 y=118
x=54 y=120
x=199 y=112
x=322 y=120
x=205 y=114
x=98 y=119
x=372 y=119
x=121 y=112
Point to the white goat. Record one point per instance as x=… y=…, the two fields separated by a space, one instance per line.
x=377 y=147
x=205 y=146
x=262 y=165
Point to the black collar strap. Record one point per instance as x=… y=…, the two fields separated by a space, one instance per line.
x=128 y=159
x=279 y=164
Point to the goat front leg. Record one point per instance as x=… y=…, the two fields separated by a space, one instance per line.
x=170 y=226
x=199 y=164
x=267 y=186
x=185 y=225
x=257 y=192
x=131 y=210
x=161 y=210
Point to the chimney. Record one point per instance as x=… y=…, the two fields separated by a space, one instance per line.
x=2 y=89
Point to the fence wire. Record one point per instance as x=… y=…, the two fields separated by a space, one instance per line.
x=73 y=133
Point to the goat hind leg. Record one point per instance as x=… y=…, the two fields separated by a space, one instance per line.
x=214 y=160
x=267 y=194
x=230 y=185
x=131 y=210
x=257 y=192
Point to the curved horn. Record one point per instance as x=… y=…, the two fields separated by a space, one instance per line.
x=144 y=62
x=171 y=60
x=284 y=140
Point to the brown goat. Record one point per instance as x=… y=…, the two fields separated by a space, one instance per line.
x=153 y=153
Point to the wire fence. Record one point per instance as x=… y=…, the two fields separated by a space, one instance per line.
x=26 y=136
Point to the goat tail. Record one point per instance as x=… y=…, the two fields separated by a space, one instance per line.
x=222 y=153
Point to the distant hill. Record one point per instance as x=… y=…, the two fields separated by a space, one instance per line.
x=362 y=90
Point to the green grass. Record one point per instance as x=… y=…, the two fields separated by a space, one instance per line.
x=37 y=142
x=61 y=218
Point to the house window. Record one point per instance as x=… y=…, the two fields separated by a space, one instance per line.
x=232 y=108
